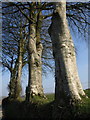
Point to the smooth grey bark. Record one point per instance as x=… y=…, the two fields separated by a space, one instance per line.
x=39 y=69
x=35 y=64
x=39 y=48
x=68 y=86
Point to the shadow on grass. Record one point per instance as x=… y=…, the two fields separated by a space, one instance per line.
x=16 y=110
x=42 y=109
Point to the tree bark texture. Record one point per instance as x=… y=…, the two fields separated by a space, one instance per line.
x=68 y=86
x=35 y=63
x=11 y=85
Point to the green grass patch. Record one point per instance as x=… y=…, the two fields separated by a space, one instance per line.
x=87 y=91
x=82 y=110
x=43 y=100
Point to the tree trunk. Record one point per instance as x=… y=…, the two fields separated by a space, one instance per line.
x=18 y=89
x=39 y=69
x=11 y=85
x=16 y=72
x=35 y=64
x=68 y=86
x=39 y=48
x=15 y=79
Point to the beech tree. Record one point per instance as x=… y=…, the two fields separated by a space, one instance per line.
x=68 y=88
x=33 y=12
x=35 y=18
x=34 y=54
x=13 y=52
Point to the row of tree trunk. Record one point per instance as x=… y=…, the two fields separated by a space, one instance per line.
x=67 y=84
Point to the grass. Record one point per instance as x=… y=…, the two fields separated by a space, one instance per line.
x=87 y=91
x=83 y=110
x=40 y=109
x=39 y=100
